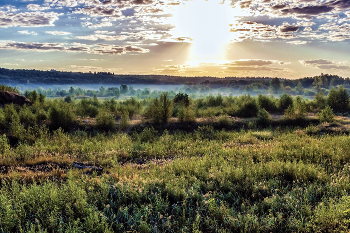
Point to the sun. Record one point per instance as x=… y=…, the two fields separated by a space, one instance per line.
x=207 y=23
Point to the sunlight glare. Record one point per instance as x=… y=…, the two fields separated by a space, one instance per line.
x=207 y=23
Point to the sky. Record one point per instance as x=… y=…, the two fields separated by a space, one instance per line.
x=261 y=38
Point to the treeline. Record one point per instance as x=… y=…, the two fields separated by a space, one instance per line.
x=53 y=77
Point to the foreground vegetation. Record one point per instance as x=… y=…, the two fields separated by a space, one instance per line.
x=214 y=164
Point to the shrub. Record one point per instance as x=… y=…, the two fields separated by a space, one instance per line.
x=264 y=117
x=62 y=116
x=26 y=116
x=268 y=103
x=247 y=107
x=205 y=132
x=185 y=114
x=88 y=108
x=105 y=121
x=41 y=116
x=224 y=121
x=124 y=121
x=326 y=115
x=10 y=111
x=148 y=135
x=338 y=99
x=2 y=118
x=182 y=98
x=68 y=99
x=160 y=110
x=289 y=113
x=320 y=100
x=284 y=102
x=4 y=144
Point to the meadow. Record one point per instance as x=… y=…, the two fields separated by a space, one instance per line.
x=176 y=164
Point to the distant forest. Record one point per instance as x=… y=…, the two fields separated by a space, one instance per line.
x=53 y=77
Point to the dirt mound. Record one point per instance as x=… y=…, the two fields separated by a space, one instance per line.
x=13 y=98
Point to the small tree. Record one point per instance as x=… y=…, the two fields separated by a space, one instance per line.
x=105 y=120
x=61 y=116
x=166 y=107
x=338 y=99
x=275 y=85
x=264 y=118
x=285 y=101
x=124 y=121
x=326 y=115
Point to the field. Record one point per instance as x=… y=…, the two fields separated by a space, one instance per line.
x=213 y=164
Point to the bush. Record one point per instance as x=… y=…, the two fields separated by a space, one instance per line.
x=124 y=121
x=185 y=114
x=338 y=99
x=26 y=116
x=268 y=103
x=264 y=118
x=2 y=118
x=247 y=107
x=326 y=115
x=4 y=144
x=88 y=107
x=285 y=102
x=148 y=135
x=160 y=110
x=182 y=98
x=41 y=116
x=105 y=121
x=62 y=116
x=10 y=111
x=224 y=121
x=205 y=132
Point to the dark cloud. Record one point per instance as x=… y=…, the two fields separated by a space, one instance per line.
x=308 y=10
x=289 y=28
x=278 y=7
x=342 y=4
x=28 y=19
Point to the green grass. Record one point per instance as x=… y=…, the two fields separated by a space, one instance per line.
x=214 y=181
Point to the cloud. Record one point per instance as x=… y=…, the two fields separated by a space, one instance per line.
x=289 y=28
x=36 y=7
x=99 y=25
x=253 y=62
x=9 y=64
x=59 y=33
x=308 y=10
x=97 y=11
x=28 y=19
x=297 y=42
x=114 y=49
x=63 y=3
x=26 y=32
x=324 y=64
x=101 y=37
x=74 y=47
